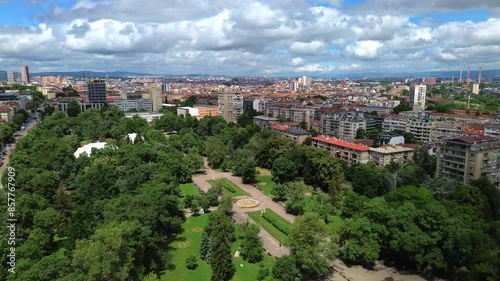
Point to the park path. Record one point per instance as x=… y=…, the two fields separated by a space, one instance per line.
x=272 y=246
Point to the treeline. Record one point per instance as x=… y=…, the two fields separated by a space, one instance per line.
x=110 y=216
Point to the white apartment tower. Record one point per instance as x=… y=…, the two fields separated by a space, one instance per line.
x=417 y=97
x=230 y=106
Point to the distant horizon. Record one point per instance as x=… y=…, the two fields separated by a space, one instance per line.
x=375 y=75
x=273 y=38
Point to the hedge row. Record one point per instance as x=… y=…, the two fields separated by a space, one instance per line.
x=277 y=222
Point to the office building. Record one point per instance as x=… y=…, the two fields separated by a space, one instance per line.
x=96 y=90
x=417 y=97
x=25 y=75
x=468 y=158
x=230 y=106
x=3 y=76
x=156 y=96
x=10 y=77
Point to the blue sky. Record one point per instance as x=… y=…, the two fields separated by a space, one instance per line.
x=250 y=37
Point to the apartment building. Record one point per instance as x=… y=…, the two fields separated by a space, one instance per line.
x=343 y=150
x=417 y=97
x=445 y=130
x=468 y=158
x=381 y=110
x=394 y=123
x=351 y=122
x=96 y=90
x=329 y=122
x=156 y=96
x=296 y=134
x=293 y=114
x=382 y=156
x=264 y=122
x=6 y=113
x=138 y=104
x=230 y=106
x=492 y=129
x=421 y=128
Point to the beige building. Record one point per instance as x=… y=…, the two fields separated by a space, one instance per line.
x=6 y=113
x=347 y=151
x=468 y=158
x=230 y=106
x=199 y=111
x=382 y=156
x=296 y=134
x=156 y=96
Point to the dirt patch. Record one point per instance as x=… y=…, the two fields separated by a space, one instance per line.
x=197 y=229
x=184 y=244
x=263 y=171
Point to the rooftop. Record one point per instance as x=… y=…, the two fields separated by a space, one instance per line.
x=342 y=143
x=390 y=149
x=475 y=139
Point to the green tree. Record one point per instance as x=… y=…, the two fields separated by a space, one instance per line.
x=251 y=247
x=295 y=204
x=286 y=269
x=368 y=180
x=283 y=170
x=360 y=241
x=216 y=151
x=191 y=262
x=114 y=252
x=221 y=234
x=323 y=206
x=321 y=170
x=360 y=134
x=73 y=109
x=311 y=243
x=280 y=191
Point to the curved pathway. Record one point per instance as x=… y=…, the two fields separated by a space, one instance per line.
x=271 y=245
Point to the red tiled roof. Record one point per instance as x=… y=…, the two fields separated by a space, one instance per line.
x=342 y=143
x=279 y=127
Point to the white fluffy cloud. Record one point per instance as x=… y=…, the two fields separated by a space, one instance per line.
x=260 y=37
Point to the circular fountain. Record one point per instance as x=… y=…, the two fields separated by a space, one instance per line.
x=247 y=203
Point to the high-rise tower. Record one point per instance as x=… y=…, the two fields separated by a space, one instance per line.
x=25 y=75
x=96 y=90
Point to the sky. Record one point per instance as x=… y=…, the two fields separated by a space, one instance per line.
x=250 y=37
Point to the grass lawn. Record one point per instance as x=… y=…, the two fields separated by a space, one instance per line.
x=188 y=189
x=229 y=188
x=189 y=242
x=249 y=271
x=310 y=203
x=265 y=184
x=334 y=223
x=265 y=224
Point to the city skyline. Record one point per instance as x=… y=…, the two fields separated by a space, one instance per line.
x=265 y=38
